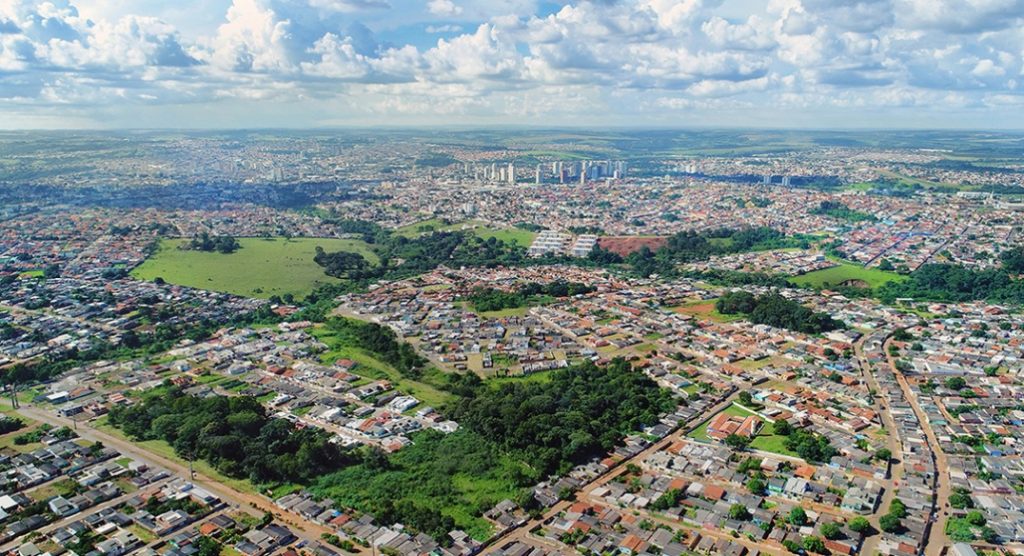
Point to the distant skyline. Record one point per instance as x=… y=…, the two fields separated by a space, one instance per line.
x=223 y=64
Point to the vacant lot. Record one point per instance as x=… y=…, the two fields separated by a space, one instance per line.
x=623 y=246
x=261 y=268
x=846 y=274
x=705 y=310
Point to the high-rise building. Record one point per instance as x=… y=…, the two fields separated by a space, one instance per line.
x=511 y=173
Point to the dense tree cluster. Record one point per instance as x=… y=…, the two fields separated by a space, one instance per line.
x=955 y=283
x=220 y=244
x=775 y=310
x=10 y=424
x=1013 y=259
x=343 y=264
x=808 y=445
x=689 y=246
x=491 y=299
x=582 y=412
x=234 y=434
x=380 y=341
x=839 y=211
x=402 y=257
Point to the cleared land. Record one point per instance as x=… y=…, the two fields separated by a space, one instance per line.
x=261 y=268
x=846 y=274
x=705 y=310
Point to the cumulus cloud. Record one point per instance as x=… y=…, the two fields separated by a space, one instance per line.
x=443 y=8
x=498 y=58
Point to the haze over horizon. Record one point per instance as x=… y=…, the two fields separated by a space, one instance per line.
x=811 y=64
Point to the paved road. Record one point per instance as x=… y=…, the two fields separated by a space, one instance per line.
x=937 y=540
x=895 y=446
x=305 y=530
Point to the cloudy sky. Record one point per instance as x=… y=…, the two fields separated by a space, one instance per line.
x=592 y=63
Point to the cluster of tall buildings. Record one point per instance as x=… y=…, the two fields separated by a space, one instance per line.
x=582 y=171
x=494 y=173
x=555 y=172
x=768 y=179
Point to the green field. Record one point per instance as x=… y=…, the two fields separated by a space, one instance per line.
x=522 y=237
x=261 y=268
x=845 y=272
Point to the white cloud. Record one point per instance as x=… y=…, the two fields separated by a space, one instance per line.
x=630 y=56
x=444 y=8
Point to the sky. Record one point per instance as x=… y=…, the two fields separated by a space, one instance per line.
x=193 y=64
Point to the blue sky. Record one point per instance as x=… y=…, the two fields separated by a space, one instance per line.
x=591 y=63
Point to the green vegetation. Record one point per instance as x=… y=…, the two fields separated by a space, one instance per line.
x=859 y=525
x=490 y=299
x=427 y=387
x=379 y=340
x=436 y=484
x=690 y=246
x=954 y=283
x=10 y=424
x=775 y=310
x=581 y=412
x=846 y=274
x=234 y=434
x=810 y=446
x=1013 y=260
x=839 y=211
x=221 y=244
x=513 y=435
x=261 y=268
x=402 y=257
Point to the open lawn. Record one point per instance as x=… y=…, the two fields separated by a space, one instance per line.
x=846 y=274
x=261 y=268
x=523 y=238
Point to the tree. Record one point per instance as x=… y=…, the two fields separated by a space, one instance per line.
x=814 y=544
x=746 y=399
x=736 y=441
x=798 y=517
x=989 y=535
x=739 y=512
x=883 y=454
x=755 y=485
x=1013 y=259
x=961 y=499
x=208 y=547
x=976 y=518
x=956 y=383
x=831 y=530
x=782 y=427
x=889 y=523
x=792 y=546
x=898 y=508
x=859 y=525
